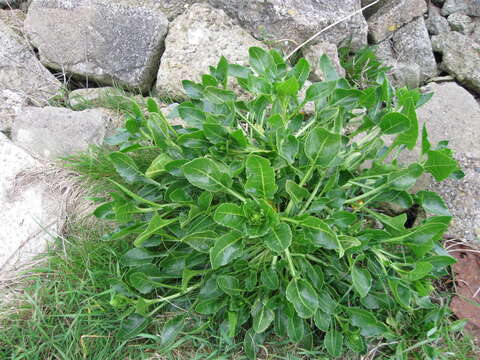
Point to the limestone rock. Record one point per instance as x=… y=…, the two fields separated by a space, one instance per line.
x=373 y=8
x=173 y=8
x=410 y=45
x=52 y=132
x=461 y=23
x=14 y=19
x=195 y=41
x=436 y=23
x=467 y=7
x=460 y=57
x=313 y=53
x=449 y=115
x=108 y=41
x=30 y=213
x=299 y=20
x=21 y=72
x=392 y=16
x=11 y=104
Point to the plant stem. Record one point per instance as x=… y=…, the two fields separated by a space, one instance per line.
x=290 y=263
x=311 y=197
x=174 y=296
x=367 y=194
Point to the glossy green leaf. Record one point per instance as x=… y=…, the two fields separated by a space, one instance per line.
x=260 y=177
x=127 y=168
x=230 y=285
x=394 y=123
x=227 y=248
x=279 y=238
x=201 y=241
x=251 y=344
x=303 y=297
x=333 y=342
x=322 y=146
x=262 y=317
x=154 y=226
x=320 y=90
x=301 y=71
x=320 y=233
x=289 y=148
x=404 y=179
x=269 y=278
x=432 y=203
x=132 y=326
x=288 y=87
x=192 y=89
x=138 y=256
x=193 y=116
x=362 y=280
x=219 y=96
x=231 y=216
x=367 y=322
x=260 y=60
x=440 y=164
x=157 y=166
x=171 y=330
x=204 y=174
x=327 y=68
x=297 y=193
x=322 y=320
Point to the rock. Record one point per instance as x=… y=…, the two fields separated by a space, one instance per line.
x=460 y=57
x=438 y=3
x=392 y=16
x=195 y=41
x=313 y=53
x=108 y=41
x=299 y=20
x=14 y=20
x=21 y=72
x=173 y=8
x=461 y=23
x=11 y=104
x=373 y=8
x=408 y=75
x=30 y=213
x=467 y=7
x=409 y=46
x=52 y=132
x=92 y=96
x=449 y=115
x=436 y=23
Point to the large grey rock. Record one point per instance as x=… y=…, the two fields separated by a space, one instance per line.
x=407 y=50
x=14 y=19
x=30 y=214
x=299 y=20
x=52 y=132
x=108 y=41
x=392 y=16
x=313 y=53
x=467 y=7
x=454 y=114
x=460 y=57
x=21 y=72
x=195 y=41
x=11 y=104
x=461 y=23
x=372 y=7
x=173 y=8
x=436 y=23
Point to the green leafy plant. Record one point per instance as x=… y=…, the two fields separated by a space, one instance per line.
x=264 y=215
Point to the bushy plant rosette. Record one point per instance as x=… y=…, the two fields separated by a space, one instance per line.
x=259 y=218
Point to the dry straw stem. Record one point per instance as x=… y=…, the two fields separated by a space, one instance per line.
x=329 y=27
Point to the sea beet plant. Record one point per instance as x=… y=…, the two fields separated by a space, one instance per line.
x=267 y=214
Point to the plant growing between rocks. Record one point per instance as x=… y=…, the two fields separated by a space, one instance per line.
x=261 y=219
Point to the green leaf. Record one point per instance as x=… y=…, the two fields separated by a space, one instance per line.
x=262 y=317
x=171 y=330
x=328 y=70
x=366 y=321
x=303 y=297
x=440 y=164
x=269 y=278
x=155 y=224
x=322 y=320
x=260 y=177
x=327 y=304
x=289 y=148
x=320 y=90
x=127 y=169
x=132 y=326
x=421 y=269
x=404 y=179
x=251 y=344
x=193 y=116
x=425 y=143
x=301 y=71
x=362 y=280
x=333 y=342
x=227 y=248
x=320 y=233
x=394 y=122
x=201 y=241
x=296 y=328
x=410 y=136
x=137 y=257
x=322 y=146
x=230 y=285
x=288 y=87
x=205 y=174
x=157 y=166
x=260 y=60
x=192 y=89
x=239 y=71
x=219 y=96
x=279 y=238
x=432 y=203
x=215 y=133
x=344 y=219
x=297 y=193
x=209 y=306
x=231 y=216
